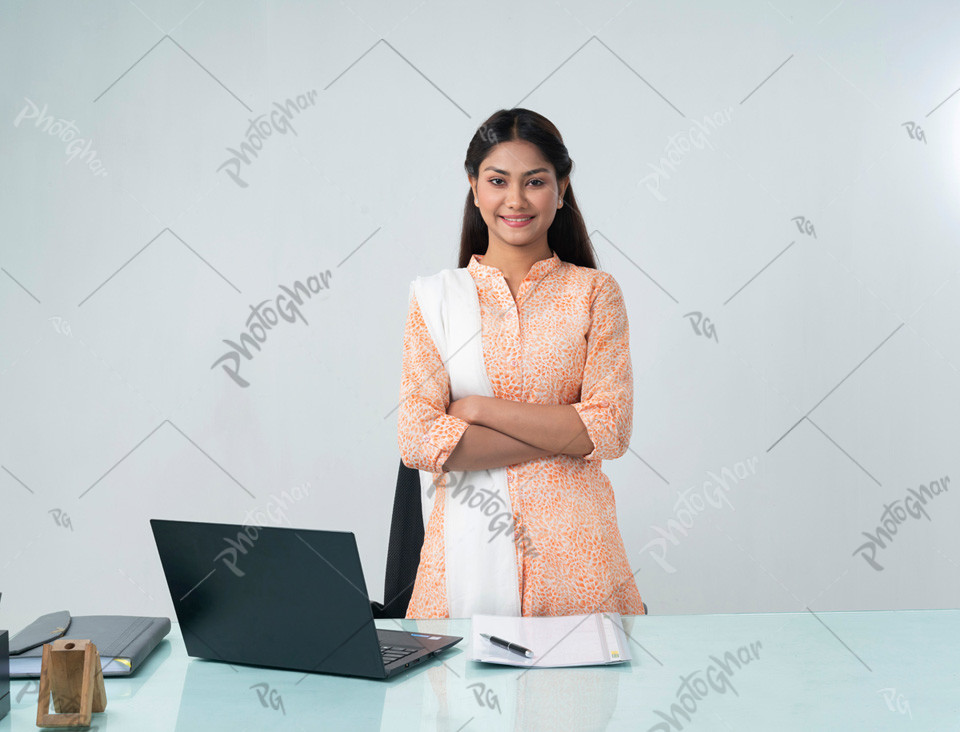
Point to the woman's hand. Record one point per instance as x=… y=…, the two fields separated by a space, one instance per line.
x=467 y=408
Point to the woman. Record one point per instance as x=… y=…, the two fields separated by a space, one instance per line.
x=514 y=418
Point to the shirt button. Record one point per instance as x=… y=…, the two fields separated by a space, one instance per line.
x=513 y=363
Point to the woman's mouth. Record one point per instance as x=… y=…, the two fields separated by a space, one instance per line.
x=517 y=221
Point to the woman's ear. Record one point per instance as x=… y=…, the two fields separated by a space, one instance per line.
x=473 y=185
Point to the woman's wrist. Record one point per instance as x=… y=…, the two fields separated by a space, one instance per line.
x=479 y=409
x=469 y=408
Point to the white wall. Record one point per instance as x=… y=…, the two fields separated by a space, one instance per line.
x=706 y=139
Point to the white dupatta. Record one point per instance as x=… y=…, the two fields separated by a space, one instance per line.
x=481 y=565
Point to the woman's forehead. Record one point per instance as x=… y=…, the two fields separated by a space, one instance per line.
x=517 y=157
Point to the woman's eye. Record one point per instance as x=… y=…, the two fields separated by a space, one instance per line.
x=496 y=181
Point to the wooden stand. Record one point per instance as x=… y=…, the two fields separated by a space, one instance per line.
x=70 y=670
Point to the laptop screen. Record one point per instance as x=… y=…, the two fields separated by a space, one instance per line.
x=270 y=596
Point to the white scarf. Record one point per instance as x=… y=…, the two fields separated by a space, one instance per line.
x=481 y=564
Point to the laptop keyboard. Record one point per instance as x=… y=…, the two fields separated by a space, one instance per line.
x=394 y=653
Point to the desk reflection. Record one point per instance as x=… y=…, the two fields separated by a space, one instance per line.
x=447 y=693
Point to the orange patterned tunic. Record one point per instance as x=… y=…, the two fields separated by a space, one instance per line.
x=563 y=340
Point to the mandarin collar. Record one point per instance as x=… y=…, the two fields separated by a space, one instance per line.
x=537 y=270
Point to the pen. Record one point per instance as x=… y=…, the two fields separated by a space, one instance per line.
x=508 y=645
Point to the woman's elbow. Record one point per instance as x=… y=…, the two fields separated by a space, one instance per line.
x=409 y=456
x=619 y=440
x=412 y=459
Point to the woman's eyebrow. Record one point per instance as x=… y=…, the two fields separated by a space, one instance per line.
x=529 y=172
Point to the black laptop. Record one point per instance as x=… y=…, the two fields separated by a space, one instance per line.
x=282 y=598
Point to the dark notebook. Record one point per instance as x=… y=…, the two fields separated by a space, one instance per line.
x=123 y=641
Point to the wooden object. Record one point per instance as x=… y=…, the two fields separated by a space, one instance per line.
x=70 y=670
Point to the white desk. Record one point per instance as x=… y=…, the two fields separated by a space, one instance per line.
x=829 y=671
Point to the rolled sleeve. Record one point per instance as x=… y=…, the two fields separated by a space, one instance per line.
x=606 y=394
x=426 y=434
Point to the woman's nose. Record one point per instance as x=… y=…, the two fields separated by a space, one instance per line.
x=515 y=195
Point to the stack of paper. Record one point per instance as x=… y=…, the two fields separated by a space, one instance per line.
x=563 y=640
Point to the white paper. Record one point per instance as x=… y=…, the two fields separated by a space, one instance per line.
x=556 y=641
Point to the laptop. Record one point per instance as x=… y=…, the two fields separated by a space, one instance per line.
x=281 y=598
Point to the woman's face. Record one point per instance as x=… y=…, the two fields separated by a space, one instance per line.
x=516 y=181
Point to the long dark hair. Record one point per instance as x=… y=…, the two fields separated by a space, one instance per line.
x=567 y=234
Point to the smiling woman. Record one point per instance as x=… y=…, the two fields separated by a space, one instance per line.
x=528 y=411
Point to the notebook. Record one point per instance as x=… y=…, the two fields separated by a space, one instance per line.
x=4 y=673
x=561 y=640
x=282 y=598
x=123 y=641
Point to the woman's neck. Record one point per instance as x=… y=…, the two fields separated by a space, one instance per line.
x=514 y=262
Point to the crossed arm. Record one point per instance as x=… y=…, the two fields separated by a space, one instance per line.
x=505 y=432
x=437 y=433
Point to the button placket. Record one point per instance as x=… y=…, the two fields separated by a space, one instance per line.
x=510 y=328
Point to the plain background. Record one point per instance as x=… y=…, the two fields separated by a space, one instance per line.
x=781 y=176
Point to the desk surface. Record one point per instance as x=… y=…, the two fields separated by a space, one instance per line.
x=770 y=671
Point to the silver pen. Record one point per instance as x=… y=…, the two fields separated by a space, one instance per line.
x=508 y=645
